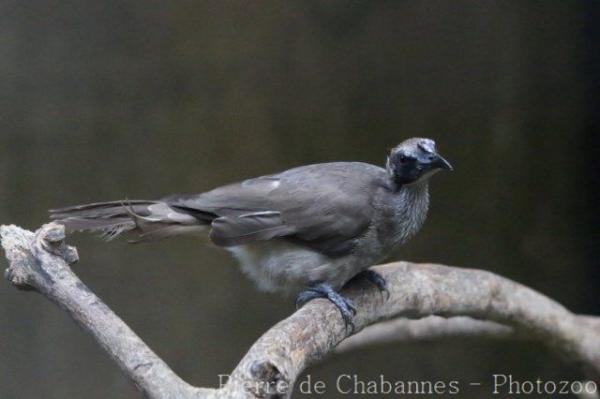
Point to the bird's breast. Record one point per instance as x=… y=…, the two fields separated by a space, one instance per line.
x=282 y=266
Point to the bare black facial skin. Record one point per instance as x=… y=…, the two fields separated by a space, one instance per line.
x=411 y=163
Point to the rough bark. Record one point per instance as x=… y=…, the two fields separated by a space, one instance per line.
x=429 y=328
x=466 y=301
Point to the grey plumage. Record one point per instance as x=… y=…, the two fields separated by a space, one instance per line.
x=321 y=206
x=315 y=223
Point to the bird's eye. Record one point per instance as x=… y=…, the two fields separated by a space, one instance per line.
x=403 y=159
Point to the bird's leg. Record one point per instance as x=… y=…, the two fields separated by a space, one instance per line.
x=376 y=279
x=324 y=290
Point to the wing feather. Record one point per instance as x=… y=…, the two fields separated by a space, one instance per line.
x=324 y=206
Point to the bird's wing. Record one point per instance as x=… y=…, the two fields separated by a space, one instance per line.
x=324 y=206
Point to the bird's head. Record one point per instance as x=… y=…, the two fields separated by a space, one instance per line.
x=415 y=160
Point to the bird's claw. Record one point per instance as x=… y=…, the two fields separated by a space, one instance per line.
x=377 y=279
x=323 y=290
x=306 y=296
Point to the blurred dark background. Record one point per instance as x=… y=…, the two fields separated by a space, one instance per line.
x=112 y=99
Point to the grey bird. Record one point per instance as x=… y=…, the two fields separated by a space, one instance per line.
x=305 y=231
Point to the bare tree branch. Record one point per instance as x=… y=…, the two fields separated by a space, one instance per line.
x=430 y=328
x=433 y=328
x=41 y=261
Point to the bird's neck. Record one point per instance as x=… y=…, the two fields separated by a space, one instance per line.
x=417 y=191
x=414 y=204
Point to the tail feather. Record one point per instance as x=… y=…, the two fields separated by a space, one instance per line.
x=150 y=220
x=98 y=209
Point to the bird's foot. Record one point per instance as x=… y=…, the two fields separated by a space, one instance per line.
x=324 y=290
x=376 y=279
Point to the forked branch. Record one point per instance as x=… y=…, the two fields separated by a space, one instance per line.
x=469 y=302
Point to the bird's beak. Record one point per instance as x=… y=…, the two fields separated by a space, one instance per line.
x=438 y=162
